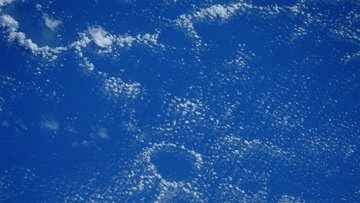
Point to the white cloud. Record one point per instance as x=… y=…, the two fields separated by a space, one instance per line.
x=101 y=38
x=220 y=11
x=52 y=24
x=12 y=26
x=223 y=13
x=114 y=87
x=351 y=57
x=9 y=22
x=125 y=41
x=106 y=41
x=5 y=2
x=38 y=7
x=51 y=125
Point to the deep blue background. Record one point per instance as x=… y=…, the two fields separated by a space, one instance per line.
x=310 y=156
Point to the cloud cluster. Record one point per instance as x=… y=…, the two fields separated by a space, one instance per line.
x=52 y=24
x=223 y=12
x=13 y=34
x=109 y=43
x=105 y=41
x=115 y=88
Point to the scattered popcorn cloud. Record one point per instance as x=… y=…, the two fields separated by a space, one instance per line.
x=115 y=88
x=223 y=12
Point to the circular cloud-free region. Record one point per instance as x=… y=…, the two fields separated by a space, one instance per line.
x=173 y=164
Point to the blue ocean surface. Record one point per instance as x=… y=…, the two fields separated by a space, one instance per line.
x=179 y=101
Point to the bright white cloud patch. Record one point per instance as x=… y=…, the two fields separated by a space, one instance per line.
x=52 y=24
x=104 y=39
x=9 y=22
x=101 y=37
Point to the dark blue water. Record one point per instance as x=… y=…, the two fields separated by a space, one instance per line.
x=258 y=104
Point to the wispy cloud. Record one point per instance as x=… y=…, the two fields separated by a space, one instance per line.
x=50 y=124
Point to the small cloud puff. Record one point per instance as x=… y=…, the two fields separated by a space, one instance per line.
x=52 y=24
